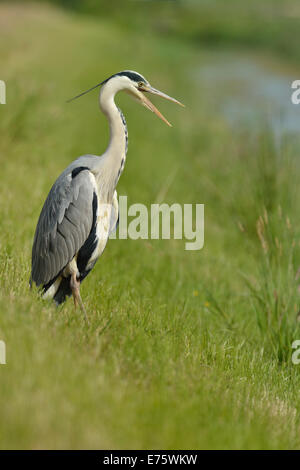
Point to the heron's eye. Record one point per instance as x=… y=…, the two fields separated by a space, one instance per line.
x=140 y=84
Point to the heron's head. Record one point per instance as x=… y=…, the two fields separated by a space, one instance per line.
x=135 y=85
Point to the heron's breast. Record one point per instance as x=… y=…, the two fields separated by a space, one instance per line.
x=102 y=230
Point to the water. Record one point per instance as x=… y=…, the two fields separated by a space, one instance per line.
x=248 y=92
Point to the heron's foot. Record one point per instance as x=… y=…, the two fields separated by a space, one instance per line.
x=75 y=286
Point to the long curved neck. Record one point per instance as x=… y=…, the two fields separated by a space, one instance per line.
x=117 y=146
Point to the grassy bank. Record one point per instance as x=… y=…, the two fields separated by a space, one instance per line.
x=264 y=25
x=185 y=349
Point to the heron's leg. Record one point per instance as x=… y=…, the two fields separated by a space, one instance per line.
x=75 y=286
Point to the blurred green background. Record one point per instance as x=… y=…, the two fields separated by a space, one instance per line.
x=185 y=349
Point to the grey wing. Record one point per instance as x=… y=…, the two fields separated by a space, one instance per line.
x=63 y=226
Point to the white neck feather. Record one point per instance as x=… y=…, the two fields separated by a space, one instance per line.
x=116 y=149
x=112 y=161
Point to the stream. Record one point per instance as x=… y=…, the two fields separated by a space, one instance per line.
x=250 y=93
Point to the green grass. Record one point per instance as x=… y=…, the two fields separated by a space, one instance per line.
x=185 y=349
x=264 y=25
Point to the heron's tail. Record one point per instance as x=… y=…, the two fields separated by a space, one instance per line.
x=63 y=291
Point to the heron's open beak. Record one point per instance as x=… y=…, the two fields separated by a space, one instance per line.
x=147 y=103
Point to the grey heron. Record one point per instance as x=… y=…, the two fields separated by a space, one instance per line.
x=81 y=209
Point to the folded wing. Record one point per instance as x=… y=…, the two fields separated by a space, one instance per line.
x=64 y=225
